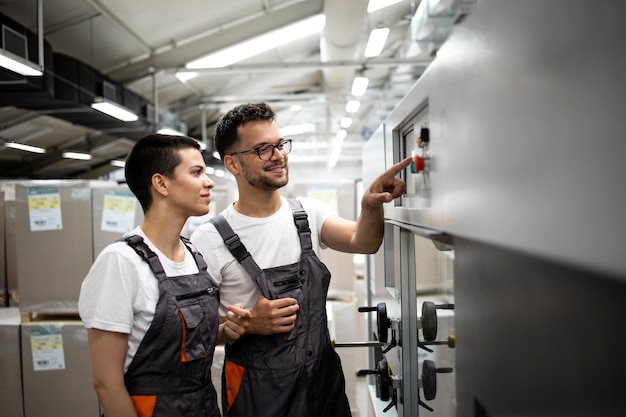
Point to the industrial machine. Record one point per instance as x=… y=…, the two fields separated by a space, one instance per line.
x=501 y=284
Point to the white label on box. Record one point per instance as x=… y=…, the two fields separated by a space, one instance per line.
x=118 y=211
x=44 y=209
x=46 y=343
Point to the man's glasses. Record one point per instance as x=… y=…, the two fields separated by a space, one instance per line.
x=266 y=150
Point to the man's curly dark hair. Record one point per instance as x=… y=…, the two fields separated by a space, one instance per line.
x=226 y=127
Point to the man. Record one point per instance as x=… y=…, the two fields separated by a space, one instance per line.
x=263 y=254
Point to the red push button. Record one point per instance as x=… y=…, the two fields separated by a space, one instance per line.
x=417 y=165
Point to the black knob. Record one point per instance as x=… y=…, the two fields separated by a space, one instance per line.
x=429 y=318
x=382 y=320
x=383 y=378
x=429 y=378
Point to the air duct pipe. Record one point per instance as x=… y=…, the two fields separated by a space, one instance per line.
x=345 y=24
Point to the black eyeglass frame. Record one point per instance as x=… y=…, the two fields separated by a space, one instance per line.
x=282 y=144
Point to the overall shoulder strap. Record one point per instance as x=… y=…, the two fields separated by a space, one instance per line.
x=302 y=224
x=197 y=256
x=231 y=239
x=239 y=251
x=136 y=242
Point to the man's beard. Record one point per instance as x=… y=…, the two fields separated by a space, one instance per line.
x=264 y=182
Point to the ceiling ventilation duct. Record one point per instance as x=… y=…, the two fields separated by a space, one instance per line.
x=19 y=42
x=434 y=20
x=340 y=39
x=67 y=90
x=17 y=52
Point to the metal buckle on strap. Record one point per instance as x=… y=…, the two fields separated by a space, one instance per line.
x=236 y=247
x=140 y=246
x=302 y=223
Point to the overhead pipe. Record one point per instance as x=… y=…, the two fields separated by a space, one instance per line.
x=345 y=23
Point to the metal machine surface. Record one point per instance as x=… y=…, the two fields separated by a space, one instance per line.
x=517 y=186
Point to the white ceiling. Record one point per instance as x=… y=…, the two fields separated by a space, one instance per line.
x=142 y=43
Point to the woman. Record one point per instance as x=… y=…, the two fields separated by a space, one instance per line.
x=148 y=303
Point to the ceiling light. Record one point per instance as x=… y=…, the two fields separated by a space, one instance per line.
x=352 y=106
x=345 y=122
x=297 y=129
x=376 y=42
x=202 y=145
x=334 y=157
x=18 y=64
x=117 y=163
x=260 y=44
x=185 y=76
x=22 y=147
x=113 y=110
x=77 y=155
x=168 y=131
x=374 y=5
x=359 y=86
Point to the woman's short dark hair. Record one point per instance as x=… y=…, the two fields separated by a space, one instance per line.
x=226 y=127
x=153 y=154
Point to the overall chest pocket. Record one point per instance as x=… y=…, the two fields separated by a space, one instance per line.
x=287 y=282
x=284 y=282
x=199 y=321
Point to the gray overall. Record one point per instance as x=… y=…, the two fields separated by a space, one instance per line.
x=296 y=374
x=170 y=374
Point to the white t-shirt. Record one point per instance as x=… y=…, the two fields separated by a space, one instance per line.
x=272 y=241
x=120 y=291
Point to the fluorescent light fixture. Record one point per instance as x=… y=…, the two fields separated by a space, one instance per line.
x=22 y=147
x=260 y=44
x=18 y=64
x=359 y=86
x=216 y=155
x=220 y=173
x=374 y=5
x=77 y=155
x=113 y=110
x=297 y=129
x=341 y=135
x=376 y=42
x=117 y=163
x=168 y=131
x=345 y=122
x=202 y=145
x=352 y=106
x=210 y=170
x=185 y=76
x=334 y=157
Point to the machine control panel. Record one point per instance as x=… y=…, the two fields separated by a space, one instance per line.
x=415 y=140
